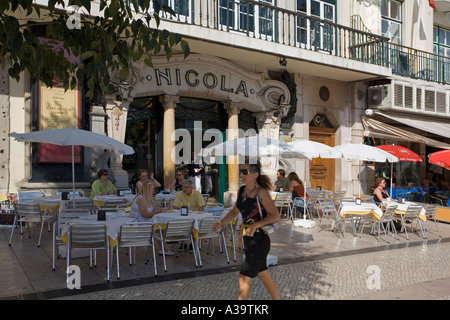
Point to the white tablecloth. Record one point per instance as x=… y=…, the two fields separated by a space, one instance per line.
x=350 y=207
x=54 y=202
x=112 y=225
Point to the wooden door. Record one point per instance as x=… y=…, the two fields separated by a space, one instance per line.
x=322 y=171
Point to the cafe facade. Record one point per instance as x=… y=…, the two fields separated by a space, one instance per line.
x=232 y=84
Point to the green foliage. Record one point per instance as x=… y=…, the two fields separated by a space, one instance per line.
x=106 y=44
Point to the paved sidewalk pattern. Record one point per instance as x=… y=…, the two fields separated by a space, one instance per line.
x=417 y=272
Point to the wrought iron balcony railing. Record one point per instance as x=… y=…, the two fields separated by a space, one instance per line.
x=261 y=20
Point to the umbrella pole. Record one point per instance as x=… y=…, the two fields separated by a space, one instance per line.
x=392 y=175
x=73 y=176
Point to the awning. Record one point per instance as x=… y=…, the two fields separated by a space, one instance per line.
x=439 y=127
x=379 y=129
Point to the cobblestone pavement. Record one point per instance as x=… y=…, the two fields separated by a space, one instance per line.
x=416 y=272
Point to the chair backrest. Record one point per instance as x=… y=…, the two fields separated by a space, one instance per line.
x=327 y=207
x=111 y=213
x=29 y=194
x=389 y=212
x=81 y=203
x=135 y=234
x=179 y=229
x=206 y=224
x=114 y=203
x=27 y=208
x=430 y=210
x=87 y=236
x=323 y=195
x=412 y=211
x=283 y=198
x=78 y=193
x=66 y=215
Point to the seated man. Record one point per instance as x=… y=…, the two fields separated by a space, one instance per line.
x=189 y=197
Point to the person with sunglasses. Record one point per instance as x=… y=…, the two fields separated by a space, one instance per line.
x=102 y=186
x=256 y=242
x=177 y=184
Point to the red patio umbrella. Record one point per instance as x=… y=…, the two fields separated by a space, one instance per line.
x=440 y=158
x=402 y=153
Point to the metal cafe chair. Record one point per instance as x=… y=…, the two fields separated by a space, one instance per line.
x=133 y=235
x=430 y=213
x=284 y=200
x=88 y=237
x=412 y=213
x=29 y=212
x=329 y=212
x=82 y=203
x=176 y=230
x=385 y=222
x=205 y=232
x=64 y=216
x=232 y=228
x=113 y=203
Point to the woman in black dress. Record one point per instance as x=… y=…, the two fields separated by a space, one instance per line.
x=256 y=242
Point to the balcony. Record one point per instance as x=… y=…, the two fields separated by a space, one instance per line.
x=260 y=33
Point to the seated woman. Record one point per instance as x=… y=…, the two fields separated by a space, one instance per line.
x=380 y=194
x=177 y=184
x=296 y=186
x=143 y=207
x=143 y=177
x=102 y=186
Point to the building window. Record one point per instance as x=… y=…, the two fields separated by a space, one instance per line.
x=391 y=20
x=312 y=34
x=241 y=16
x=441 y=41
x=181 y=7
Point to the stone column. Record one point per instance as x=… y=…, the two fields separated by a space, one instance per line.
x=230 y=196
x=98 y=157
x=117 y=112
x=268 y=127
x=169 y=104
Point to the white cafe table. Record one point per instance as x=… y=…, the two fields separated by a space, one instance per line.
x=349 y=209
x=51 y=202
x=112 y=227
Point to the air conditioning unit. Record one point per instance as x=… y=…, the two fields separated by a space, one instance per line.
x=379 y=97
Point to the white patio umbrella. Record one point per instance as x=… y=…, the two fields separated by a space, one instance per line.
x=74 y=137
x=254 y=146
x=363 y=152
x=310 y=148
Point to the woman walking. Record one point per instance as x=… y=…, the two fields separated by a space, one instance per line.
x=256 y=241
